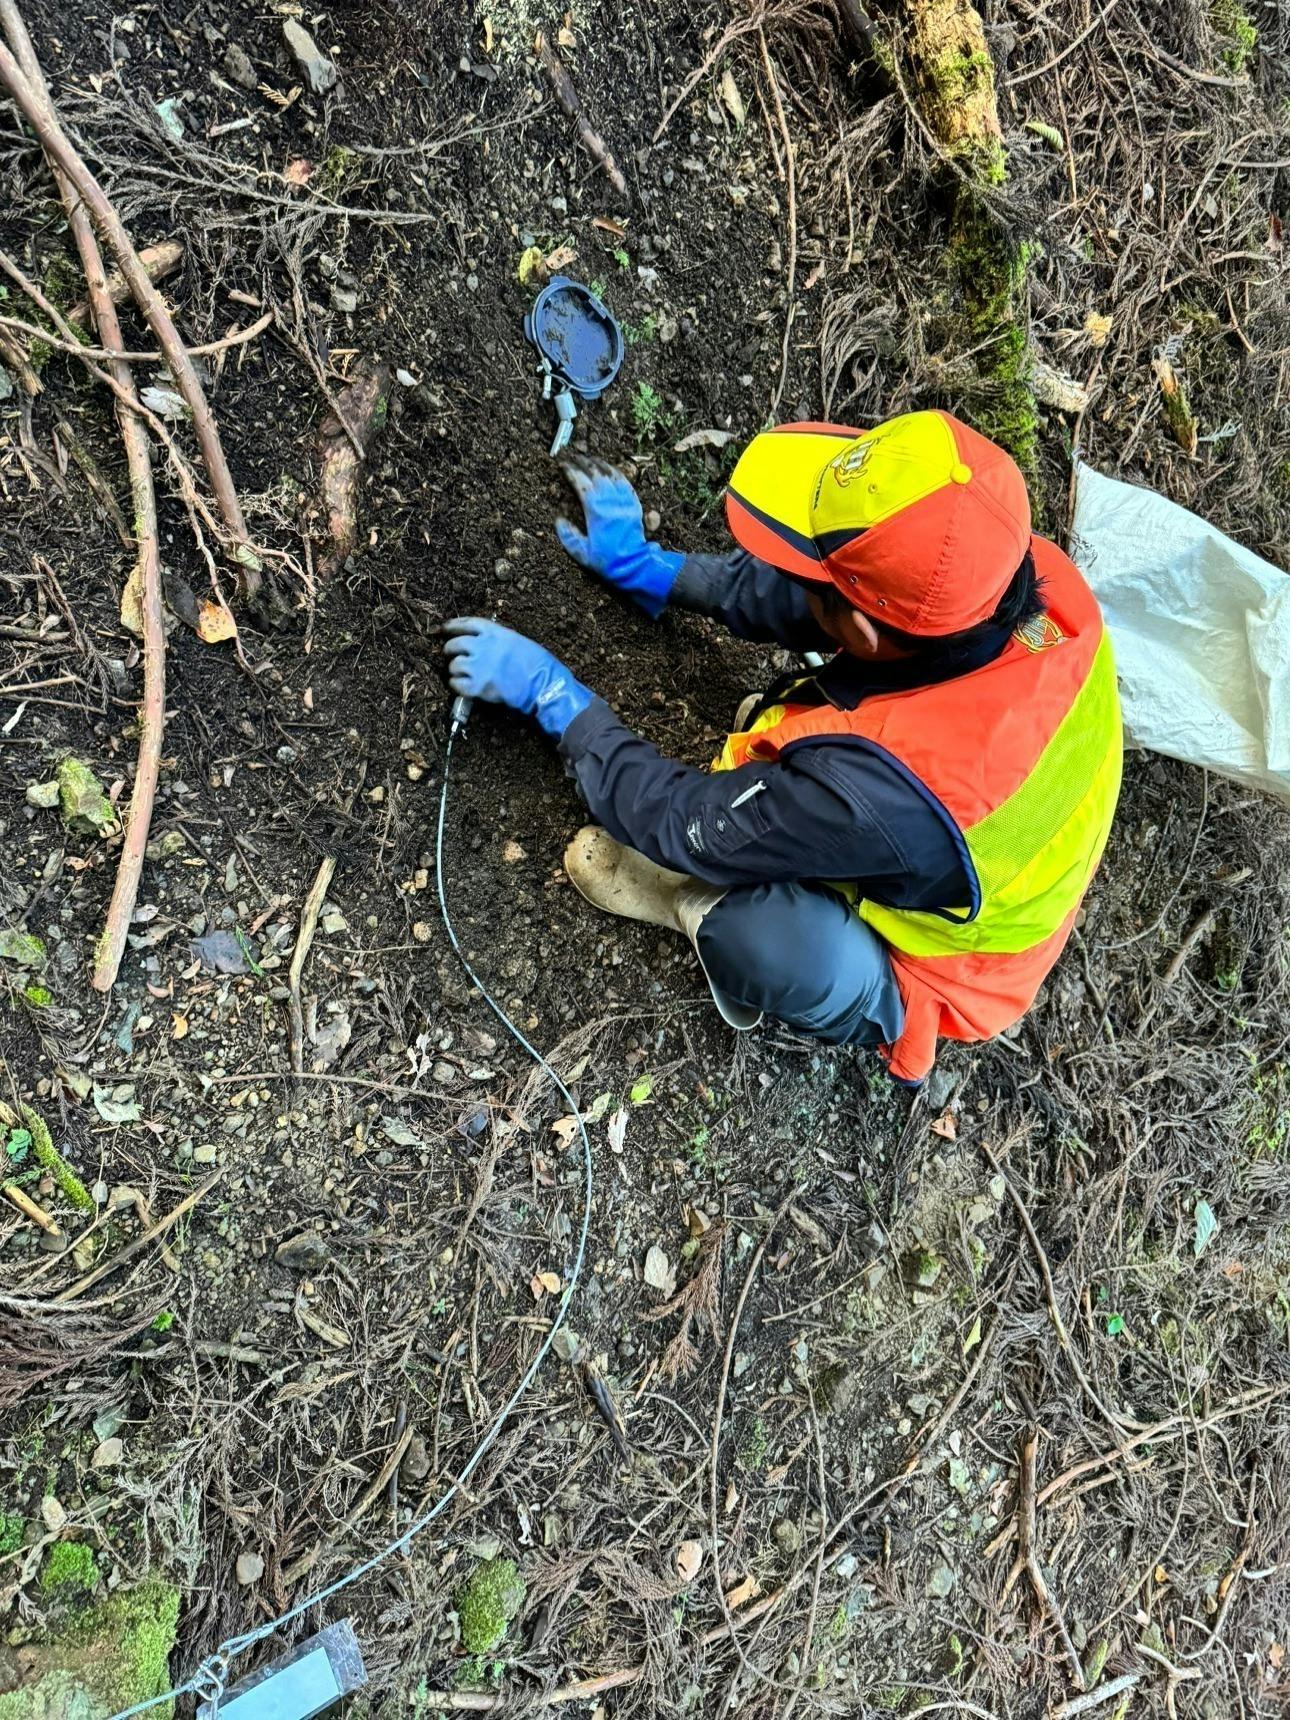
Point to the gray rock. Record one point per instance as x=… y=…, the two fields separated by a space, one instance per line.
x=250 y=1568
x=940 y=1582
x=319 y=71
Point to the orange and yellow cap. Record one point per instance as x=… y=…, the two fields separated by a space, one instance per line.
x=920 y=522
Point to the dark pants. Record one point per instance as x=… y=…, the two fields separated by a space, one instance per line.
x=798 y=952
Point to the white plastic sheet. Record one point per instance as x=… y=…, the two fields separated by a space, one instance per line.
x=1201 y=629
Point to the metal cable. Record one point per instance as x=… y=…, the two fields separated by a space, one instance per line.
x=209 y=1680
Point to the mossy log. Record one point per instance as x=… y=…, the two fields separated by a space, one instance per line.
x=954 y=88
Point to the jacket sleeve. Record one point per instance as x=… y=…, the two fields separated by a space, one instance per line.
x=763 y=823
x=752 y=599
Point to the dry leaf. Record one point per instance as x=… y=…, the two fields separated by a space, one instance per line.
x=732 y=1498
x=561 y=258
x=616 y=1129
x=488 y=34
x=742 y=1593
x=132 y=602
x=703 y=439
x=565 y=1129
x=550 y=1282
x=530 y=260
x=179 y=1027
x=1098 y=328
x=734 y=102
x=946 y=1126
x=565 y=37
x=697 y=1221
x=215 y=622
x=1276 y=1656
x=298 y=172
x=512 y=853
x=689 y=1556
x=660 y=1274
x=607 y=225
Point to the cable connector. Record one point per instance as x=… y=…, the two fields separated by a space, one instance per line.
x=461 y=707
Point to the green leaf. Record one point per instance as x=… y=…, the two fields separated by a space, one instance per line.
x=642 y=1090
x=18 y=1144
x=599 y=1105
x=1115 y=1325
x=973 y=1338
x=1206 y=1225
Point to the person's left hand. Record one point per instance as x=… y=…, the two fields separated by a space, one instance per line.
x=488 y=661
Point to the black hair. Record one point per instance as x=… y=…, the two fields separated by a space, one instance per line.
x=1021 y=602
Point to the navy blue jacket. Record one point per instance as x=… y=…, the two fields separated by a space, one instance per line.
x=830 y=809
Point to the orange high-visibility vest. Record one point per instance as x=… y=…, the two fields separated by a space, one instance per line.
x=1022 y=759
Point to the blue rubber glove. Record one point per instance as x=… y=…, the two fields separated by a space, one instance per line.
x=614 y=544
x=488 y=661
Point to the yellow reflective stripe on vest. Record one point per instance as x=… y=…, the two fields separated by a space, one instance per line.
x=1034 y=854
x=728 y=758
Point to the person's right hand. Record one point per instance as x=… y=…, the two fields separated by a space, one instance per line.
x=614 y=544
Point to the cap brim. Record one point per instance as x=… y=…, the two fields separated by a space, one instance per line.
x=772 y=491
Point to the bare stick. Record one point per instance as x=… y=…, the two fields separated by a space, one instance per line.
x=567 y=97
x=304 y=940
x=152 y=711
x=58 y=147
x=140 y=1242
x=236 y=337
x=29 y=1209
x=1096 y=1698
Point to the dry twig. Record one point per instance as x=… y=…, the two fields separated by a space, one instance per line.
x=147 y=569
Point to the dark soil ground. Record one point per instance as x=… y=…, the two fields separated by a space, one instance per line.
x=1023 y=1249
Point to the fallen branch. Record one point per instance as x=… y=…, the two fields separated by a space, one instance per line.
x=159 y=260
x=343 y=438
x=567 y=97
x=304 y=941
x=147 y=569
x=62 y=155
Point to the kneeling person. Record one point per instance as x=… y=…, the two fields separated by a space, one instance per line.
x=889 y=850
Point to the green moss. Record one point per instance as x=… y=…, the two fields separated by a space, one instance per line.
x=81 y=800
x=69 y=1570
x=48 y=1156
x=963 y=77
x=1235 y=25
x=754 y=1448
x=337 y=166
x=487 y=1604
x=12 y=1529
x=114 y=1654
x=38 y=996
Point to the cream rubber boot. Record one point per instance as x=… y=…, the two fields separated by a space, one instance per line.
x=620 y=881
